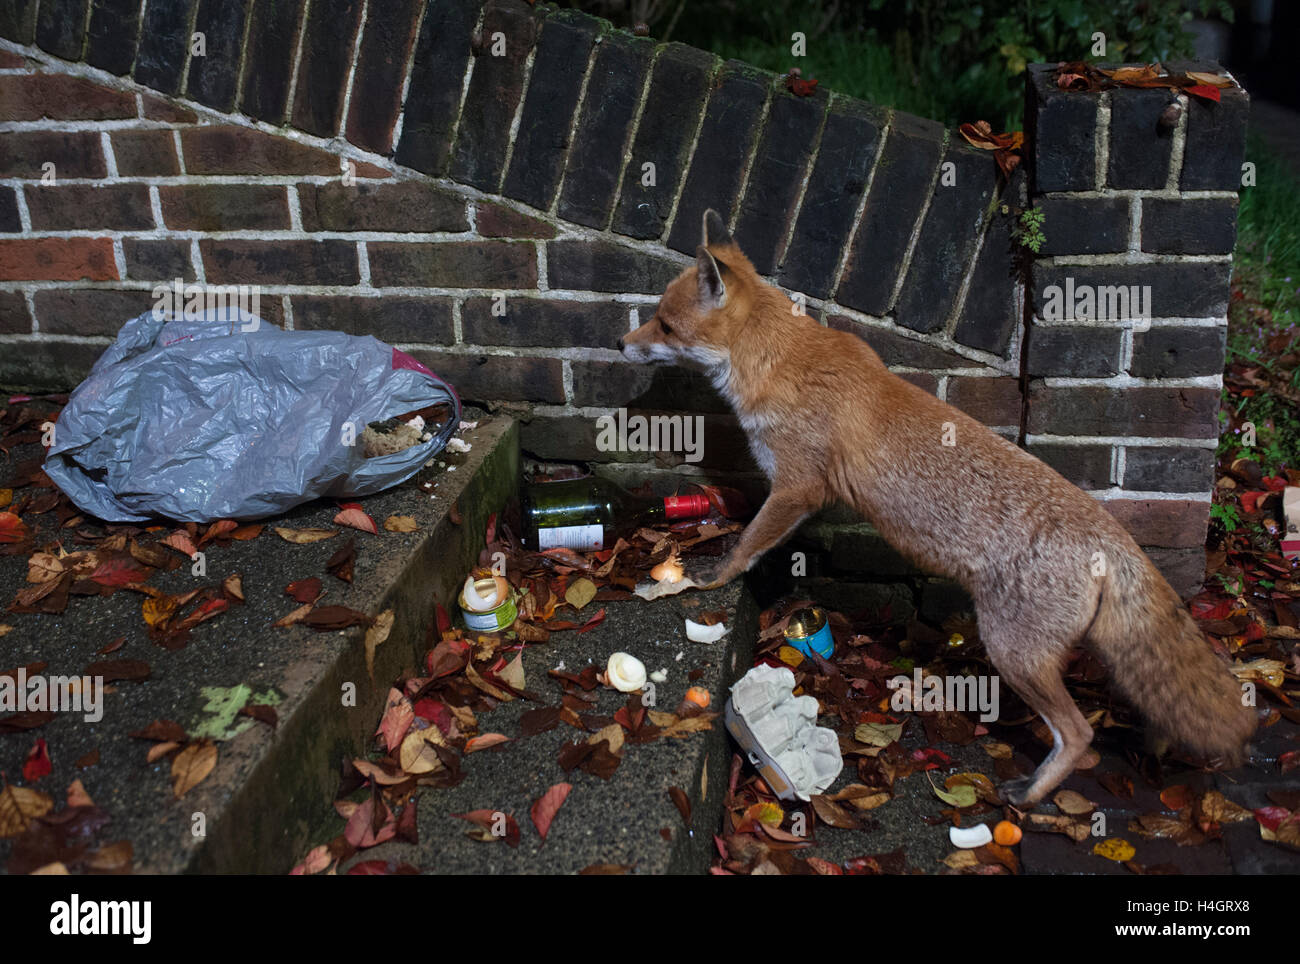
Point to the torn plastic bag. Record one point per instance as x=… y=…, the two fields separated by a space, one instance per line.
x=229 y=417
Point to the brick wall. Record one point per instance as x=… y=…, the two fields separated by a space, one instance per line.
x=399 y=168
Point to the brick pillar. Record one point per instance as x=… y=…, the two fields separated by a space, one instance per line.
x=1139 y=191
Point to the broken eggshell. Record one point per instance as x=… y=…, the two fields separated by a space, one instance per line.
x=625 y=672
x=969 y=838
x=482 y=604
x=700 y=633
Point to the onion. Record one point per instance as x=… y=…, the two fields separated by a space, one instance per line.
x=625 y=672
x=670 y=569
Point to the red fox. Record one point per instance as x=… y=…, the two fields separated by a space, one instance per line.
x=1047 y=567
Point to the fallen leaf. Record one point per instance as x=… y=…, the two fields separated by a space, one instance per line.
x=401 y=523
x=192 y=765
x=375 y=636
x=354 y=517
x=19 y=806
x=304 y=536
x=543 y=811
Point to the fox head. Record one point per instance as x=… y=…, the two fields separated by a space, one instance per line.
x=702 y=307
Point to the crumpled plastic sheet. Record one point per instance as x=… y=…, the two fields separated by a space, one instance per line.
x=227 y=416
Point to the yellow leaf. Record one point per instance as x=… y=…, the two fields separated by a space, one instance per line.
x=401 y=523
x=613 y=733
x=580 y=592
x=192 y=765
x=6 y=496
x=998 y=751
x=1073 y=803
x=303 y=536
x=19 y=806
x=1115 y=849
x=790 y=656
x=416 y=755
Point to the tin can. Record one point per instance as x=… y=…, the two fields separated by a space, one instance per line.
x=809 y=632
x=493 y=620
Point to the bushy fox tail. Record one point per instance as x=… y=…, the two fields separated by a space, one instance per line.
x=1163 y=665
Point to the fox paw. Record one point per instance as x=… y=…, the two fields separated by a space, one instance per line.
x=710 y=578
x=1016 y=792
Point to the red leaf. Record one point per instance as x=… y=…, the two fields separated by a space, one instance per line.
x=397 y=720
x=1272 y=817
x=355 y=517
x=546 y=807
x=1204 y=91
x=304 y=590
x=37 y=763
x=1250 y=500
x=444 y=620
x=120 y=570
x=12 y=528
x=592 y=623
x=491 y=532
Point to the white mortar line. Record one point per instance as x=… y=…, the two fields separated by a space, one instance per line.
x=573 y=124
x=886 y=131
x=1101 y=143
x=407 y=71
x=354 y=56
x=1133 y=441
x=518 y=117
x=299 y=39
x=751 y=156
x=915 y=236
x=630 y=143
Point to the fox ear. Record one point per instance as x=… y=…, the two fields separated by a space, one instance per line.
x=715 y=229
x=713 y=292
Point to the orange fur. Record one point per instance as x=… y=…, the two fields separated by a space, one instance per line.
x=1047 y=566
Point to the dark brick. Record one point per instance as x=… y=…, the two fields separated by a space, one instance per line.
x=784 y=152
x=604 y=125
x=480 y=378
x=25 y=97
x=280 y=262
x=157 y=260
x=1087 y=466
x=1197 y=289
x=1139 y=147
x=47 y=366
x=323 y=67
x=15 y=318
x=224 y=207
x=495 y=87
x=1168 y=523
x=1168 y=469
x=57 y=259
x=381 y=67
x=268 y=59
x=409 y=206
x=240 y=150
x=850 y=142
x=899 y=189
x=898 y=350
x=993 y=401
x=727 y=137
x=73 y=153
x=214 y=77
x=9 y=220
x=1084 y=225
x=68 y=207
x=679 y=85
x=1074 y=351
x=1166 y=352
x=397 y=319
x=60 y=27
x=164 y=45
x=922 y=380
x=454 y=264
x=544 y=322
x=1145 y=412
x=606 y=266
x=992 y=311
x=113 y=34
x=1189 y=225
x=542 y=141
x=18 y=20
x=145 y=153
x=724 y=446
x=437 y=75
x=946 y=246
x=1060 y=130
x=161 y=109
x=1216 y=137
x=88 y=311
x=568 y=438
x=494 y=220
x=616 y=384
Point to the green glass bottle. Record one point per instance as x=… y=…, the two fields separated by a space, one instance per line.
x=589 y=514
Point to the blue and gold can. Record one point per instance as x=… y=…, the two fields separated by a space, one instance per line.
x=809 y=632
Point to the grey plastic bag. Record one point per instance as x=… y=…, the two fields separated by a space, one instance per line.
x=230 y=417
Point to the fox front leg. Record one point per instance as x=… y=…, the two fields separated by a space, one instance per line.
x=780 y=515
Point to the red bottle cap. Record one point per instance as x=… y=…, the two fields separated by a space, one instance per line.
x=686 y=506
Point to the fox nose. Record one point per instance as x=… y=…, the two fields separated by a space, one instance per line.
x=620 y=344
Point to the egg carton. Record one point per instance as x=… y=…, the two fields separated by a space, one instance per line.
x=779 y=733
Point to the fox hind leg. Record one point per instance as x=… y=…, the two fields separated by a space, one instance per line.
x=1040 y=685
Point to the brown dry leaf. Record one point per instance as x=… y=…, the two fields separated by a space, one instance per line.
x=192 y=765
x=401 y=523
x=998 y=751
x=1215 y=806
x=160 y=750
x=484 y=741
x=613 y=733
x=246 y=532
x=56 y=869
x=685 y=727
x=1073 y=803
x=294 y=617
x=416 y=755
x=1060 y=823
x=19 y=806
x=1127 y=75
x=513 y=673
x=375 y=635
x=114 y=858
x=494 y=691
x=77 y=795
x=304 y=536
x=1211 y=80
x=233 y=586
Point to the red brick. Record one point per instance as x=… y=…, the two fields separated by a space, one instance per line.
x=993 y=401
x=224 y=207
x=156 y=108
x=9 y=59
x=1169 y=523
x=145 y=153
x=89 y=311
x=69 y=207
x=239 y=150
x=73 y=154
x=26 y=97
x=280 y=262
x=57 y=259
x=499 y=221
